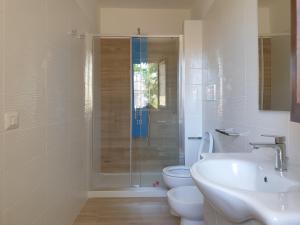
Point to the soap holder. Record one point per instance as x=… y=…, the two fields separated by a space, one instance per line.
x=228 y=132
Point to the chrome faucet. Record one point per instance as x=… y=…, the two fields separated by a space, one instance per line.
x=279 y=146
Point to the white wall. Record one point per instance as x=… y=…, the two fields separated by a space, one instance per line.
x=121 y=21
x=43 y=163
x=280 y=16
x=192 y=89
x=264 y=25
x=90 y=10
x=274 y=16
x=231 y=63
x=200 y=8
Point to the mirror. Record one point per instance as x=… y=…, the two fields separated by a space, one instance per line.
x=295 y=69
x=274 y=41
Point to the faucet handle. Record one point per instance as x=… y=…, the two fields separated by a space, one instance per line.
x=278 y=139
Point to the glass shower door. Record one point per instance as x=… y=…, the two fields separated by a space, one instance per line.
x=111 y=113
x=135 y=111
x=155 y=117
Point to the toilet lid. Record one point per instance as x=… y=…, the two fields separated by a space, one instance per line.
x=177 y=171
x=207 y=144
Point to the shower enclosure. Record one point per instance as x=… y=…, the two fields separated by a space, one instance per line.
x=136 y=110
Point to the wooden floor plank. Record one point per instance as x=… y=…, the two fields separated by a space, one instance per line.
x=126 y=211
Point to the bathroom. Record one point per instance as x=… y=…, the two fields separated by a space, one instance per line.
x=103 y=101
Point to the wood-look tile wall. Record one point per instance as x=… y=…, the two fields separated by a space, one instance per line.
x=112 y=103
x=265 y=68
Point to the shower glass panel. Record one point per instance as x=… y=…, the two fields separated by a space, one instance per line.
x=111 y=113
x=155 y=117
x=135 y=110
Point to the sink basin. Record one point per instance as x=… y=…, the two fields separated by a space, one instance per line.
x=243 y=175
x=241 y=187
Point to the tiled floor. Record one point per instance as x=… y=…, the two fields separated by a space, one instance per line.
x=126 y=211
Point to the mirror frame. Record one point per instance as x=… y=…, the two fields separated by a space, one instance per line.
x=295 y=60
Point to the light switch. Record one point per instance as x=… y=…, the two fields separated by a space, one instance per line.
x=11 y=120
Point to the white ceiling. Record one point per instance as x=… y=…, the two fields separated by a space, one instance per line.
x=151 y=4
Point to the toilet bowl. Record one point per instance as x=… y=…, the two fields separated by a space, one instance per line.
x=187 y=202
x=176 y=176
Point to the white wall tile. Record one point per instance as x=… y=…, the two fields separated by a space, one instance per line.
x=231 y=63
x=193 y=43
x=43 y=163
x=294 y=142
x=31 y=109
x=19 y=183
x=195 y=76
x=22 y=146
x=230 y=53
x=25 y=40
x=193 y=99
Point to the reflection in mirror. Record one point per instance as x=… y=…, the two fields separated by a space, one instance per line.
x=274 y=54
x=295 y=60
x=298 y=83
x=298 y=79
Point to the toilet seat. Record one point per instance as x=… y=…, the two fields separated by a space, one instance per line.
x=177 y=171
x=175 y=176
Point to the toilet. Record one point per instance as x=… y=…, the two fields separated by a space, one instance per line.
x=184 y=198
x=176 y=176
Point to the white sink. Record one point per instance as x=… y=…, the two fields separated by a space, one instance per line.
x=241 y=187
